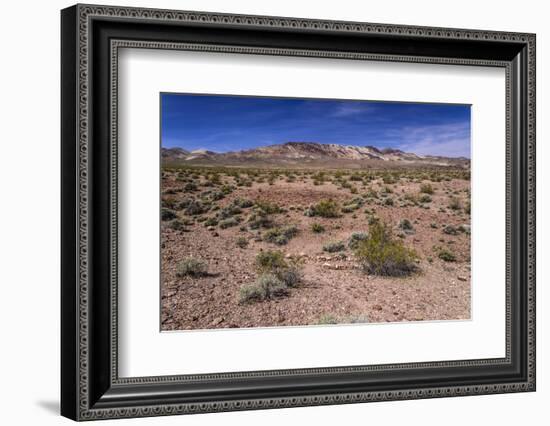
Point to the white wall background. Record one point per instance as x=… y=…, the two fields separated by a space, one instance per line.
x=29 y=213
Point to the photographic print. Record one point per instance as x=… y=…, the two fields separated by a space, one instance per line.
x=299 y=212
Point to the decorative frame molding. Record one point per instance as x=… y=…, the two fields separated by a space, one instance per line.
x=91 y=388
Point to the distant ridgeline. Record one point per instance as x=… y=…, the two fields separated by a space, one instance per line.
x=311 y=155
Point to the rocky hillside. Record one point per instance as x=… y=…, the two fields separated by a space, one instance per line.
x=310 y=154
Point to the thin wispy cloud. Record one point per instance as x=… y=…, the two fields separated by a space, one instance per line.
x=448 y=140
x=233 y=123
x=348 y=109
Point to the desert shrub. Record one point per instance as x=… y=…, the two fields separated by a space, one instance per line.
x=229 y=211
x=229 y=222
x=191 y=266
x=406 y=226
x=468 y=207
x=290 y=231
x=243 y=203
x=267 y=286
x=211 y=221
x=259 y=220
x=177 y=225
x=324 y=208
x=433 y=225
x=327 y=319
x=355 y=238
x=274 y=236
x=167 y=214
x=353 y=205
x=270 y=260
x=190 y=186
x=195 y=207
x=169 y=203
x=227 y=189
x=412 y=198
x=388 y=179
x=446 y=255
x=334 y=246
x=276 y=277
x=216 y=195
x=426 y=188
x=381 y=254
x=454 y=203
x=291 y=276
x=388 y=202
x=425 y=198
x=373 y=219
x=242 y=242
x=348 y=208
x=281 y=236
x=317 y=228
x=267 y=207
x=450 y=230
x=371 y=193
x=465 y=229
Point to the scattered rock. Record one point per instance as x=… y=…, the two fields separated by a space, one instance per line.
x=461 y=278
x=217 y=321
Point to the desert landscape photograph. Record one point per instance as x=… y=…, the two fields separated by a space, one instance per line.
x=312 y=212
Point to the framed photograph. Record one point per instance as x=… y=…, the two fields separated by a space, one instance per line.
x=263 y=212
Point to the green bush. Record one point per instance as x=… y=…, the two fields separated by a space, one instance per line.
x=211 y=221
x=425 y=198
x=267 y=207
x=454 y=203
x=450 y=230
x=355 y=238
x=190 y=186
x=259 y=220
x=281 y=236
x=270 y=260
x=242 y=242
x=334 y=246
x=446 y=255
x=242 y=203
x=291 y=275
x=324 y=208
x=195 y=207
x=167 y=214
x=229 y=222
x=317 y=228
x=406 y=226
x=177 y=225
x=267 y=286
x=426 y=188
x=381 y=254
x=465 y=229
x=191 y=266
x=229 y=211
x=327 y=319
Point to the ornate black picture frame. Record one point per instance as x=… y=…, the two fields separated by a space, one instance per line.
x=91 y=37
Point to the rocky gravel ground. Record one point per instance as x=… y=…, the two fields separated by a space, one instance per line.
x=334 y=288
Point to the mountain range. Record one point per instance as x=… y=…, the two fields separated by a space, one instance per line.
x=310 y=154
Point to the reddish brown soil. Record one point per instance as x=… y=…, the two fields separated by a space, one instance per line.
x=332 y=288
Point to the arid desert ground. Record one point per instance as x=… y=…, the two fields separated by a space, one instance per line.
x=270 y=247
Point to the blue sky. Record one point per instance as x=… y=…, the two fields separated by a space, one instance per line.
x=232 y=123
